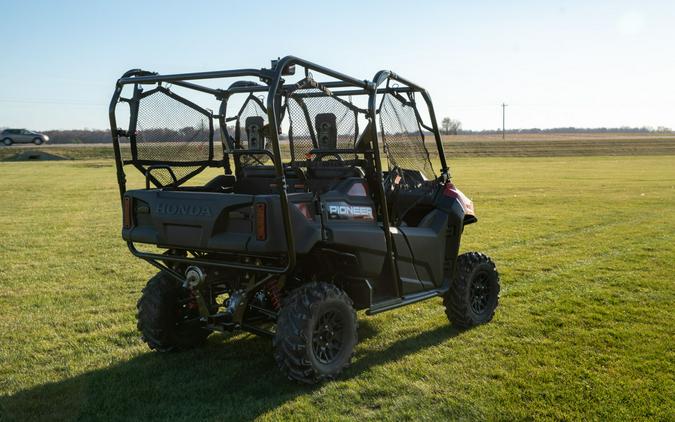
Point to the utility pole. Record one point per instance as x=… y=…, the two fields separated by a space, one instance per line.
x=504 y=120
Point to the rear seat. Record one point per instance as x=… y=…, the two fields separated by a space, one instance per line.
x=323 y=178
x=262 y=180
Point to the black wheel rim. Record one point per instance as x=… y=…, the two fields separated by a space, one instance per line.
x=480 y=293
x=327 y=339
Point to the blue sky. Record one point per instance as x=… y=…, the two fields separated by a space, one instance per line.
x=564 y=63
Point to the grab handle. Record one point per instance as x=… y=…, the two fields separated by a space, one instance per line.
x=156 y=167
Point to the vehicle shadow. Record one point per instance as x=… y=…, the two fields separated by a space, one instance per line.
x=227 y=379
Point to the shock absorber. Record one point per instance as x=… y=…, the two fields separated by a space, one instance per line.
x=274 y=294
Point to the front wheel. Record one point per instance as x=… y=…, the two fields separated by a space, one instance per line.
x=7 y=142
x=38 y=141
x=316 y=333
x=474 y=291
x=167 y=315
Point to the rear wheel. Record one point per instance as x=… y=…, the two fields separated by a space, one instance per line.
x=167 y=315
x=474 y=291
x=316 y=333
x=38 y=141
x=7 y=141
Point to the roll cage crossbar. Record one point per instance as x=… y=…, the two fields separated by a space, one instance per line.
x=273 y=85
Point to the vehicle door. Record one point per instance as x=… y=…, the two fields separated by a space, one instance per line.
x=23 y=136
x=13 y=134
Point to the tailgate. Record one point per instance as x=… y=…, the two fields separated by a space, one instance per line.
x=191 y=220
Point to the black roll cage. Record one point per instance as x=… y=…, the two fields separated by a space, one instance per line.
x=275 y=88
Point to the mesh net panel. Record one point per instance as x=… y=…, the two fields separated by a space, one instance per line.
x=303 y=121
x=170 y=131
x=404 y=142
x=251 y=108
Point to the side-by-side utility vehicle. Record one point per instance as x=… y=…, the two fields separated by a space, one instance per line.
x=305 y=196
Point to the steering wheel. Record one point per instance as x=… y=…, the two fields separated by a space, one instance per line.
x=393 y=179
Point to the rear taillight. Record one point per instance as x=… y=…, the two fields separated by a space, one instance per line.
x=127 y=213
x=260 y=221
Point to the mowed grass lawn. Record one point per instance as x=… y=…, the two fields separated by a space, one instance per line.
x=585 y=328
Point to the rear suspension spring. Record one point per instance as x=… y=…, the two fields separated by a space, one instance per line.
x=274 y=294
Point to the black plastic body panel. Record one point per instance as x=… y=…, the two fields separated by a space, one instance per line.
x=410 y=282
x=210 y=221
x=353 y=226
x=455 y=227
x=428 y=243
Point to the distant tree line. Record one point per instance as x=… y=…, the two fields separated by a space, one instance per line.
x=85 y=136
x=623 y=129
x=454 y=127
x=448 y=126
x=96 y=136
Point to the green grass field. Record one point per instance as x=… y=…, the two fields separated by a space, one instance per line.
x=585 y=329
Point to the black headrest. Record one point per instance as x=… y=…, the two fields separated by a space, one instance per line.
x=254 y=135
x=269 y=172
x=326 y=130
x=334 y=172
